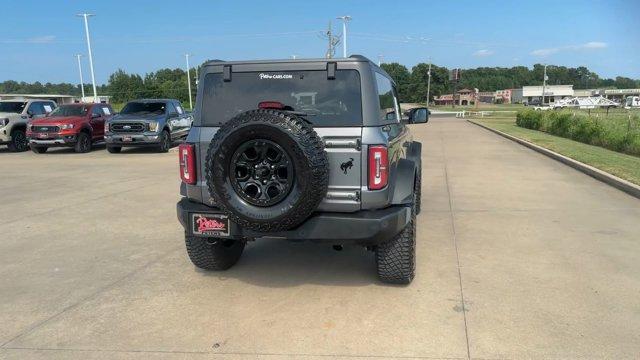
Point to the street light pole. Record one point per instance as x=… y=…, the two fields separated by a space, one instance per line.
x=544 y=84
x=344 y=33
x=429 y=81
x=81 y=80
x=189 y=81
x=197 y=78
x=93 y=77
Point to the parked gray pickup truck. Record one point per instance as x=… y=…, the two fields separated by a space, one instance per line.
x=147 y=122
x=301 y=150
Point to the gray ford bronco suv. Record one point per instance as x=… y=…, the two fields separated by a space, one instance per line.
x=300 y=150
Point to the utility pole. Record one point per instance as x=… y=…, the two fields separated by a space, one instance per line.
x=344 y=18
x=429 y=81
x=81 y=80
x=93 y=77
x=544 y=84
x=189 y=81
x=333 y=41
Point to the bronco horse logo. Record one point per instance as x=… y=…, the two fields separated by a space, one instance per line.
x=347 y=165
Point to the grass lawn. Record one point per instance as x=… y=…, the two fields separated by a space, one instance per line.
x=621 y=165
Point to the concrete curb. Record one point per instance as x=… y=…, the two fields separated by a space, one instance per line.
x=605 y=177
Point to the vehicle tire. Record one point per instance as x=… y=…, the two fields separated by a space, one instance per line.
x=213 y=254
x=114 y=149
x=396 y=258
x=83 y=143
x=19 y=141
x=267 y=170
x=39 y=149
x=165 y=142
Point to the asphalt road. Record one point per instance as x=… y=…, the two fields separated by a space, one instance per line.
x=519 y=256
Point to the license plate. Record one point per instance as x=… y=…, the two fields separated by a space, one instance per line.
x=43 y=136
x=210 y=224
x=127 y=138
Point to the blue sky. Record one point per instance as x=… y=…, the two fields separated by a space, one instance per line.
x=39 y=38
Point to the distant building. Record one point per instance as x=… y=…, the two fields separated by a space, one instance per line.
x=59 y=99
x=552 y=93
x=516 y=96
x=463 y=97
x=620 y=95
x=89 y=99
x=503 y=96
x=487 y=97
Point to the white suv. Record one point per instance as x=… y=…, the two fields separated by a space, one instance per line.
x=14 y=116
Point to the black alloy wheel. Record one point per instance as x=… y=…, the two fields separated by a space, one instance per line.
x=84 y=143
x=261 y=172
x=165 y=141
x=18 y=141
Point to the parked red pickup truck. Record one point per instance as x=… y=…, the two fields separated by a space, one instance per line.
x=73 y=125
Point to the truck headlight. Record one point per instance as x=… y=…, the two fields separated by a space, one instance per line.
x=4 y=122
x=66 y=126
x=106 y=127
x=153 y=126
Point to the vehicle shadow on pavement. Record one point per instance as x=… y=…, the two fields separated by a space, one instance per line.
x=279 y=263
x=69 y=150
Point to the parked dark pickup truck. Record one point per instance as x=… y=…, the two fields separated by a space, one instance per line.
x=148 y=122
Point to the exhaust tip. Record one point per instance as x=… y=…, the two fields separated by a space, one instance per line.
x=337 y=247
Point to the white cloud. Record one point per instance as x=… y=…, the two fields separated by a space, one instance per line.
x=592 y=45
x=483 y=53
x=545 y=52
x=46 y=39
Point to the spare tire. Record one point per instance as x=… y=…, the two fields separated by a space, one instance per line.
x=267 y=170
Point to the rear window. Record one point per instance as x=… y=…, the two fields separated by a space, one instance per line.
x=324 y=102
x=144 y=108
x=12 y=107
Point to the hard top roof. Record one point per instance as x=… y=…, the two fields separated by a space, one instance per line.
x=350 y=59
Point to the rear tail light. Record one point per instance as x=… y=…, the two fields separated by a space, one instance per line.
x=378 y=167
x=187 y=160
x=277 y=105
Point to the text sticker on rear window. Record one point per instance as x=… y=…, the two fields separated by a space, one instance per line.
x=275 y=76
x=47 y=108
x=106 y=111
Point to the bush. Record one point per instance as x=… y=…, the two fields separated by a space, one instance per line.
x=621 y=133
x=529 y=119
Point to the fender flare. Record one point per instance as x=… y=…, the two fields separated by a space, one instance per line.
x=405 y=174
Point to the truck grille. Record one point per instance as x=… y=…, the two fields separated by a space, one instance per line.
x=45 y=129
x=127 y=127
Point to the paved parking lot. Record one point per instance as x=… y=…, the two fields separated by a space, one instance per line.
x=519 y=257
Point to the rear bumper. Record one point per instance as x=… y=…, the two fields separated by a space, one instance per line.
x=137 y=139
x=369 y=227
